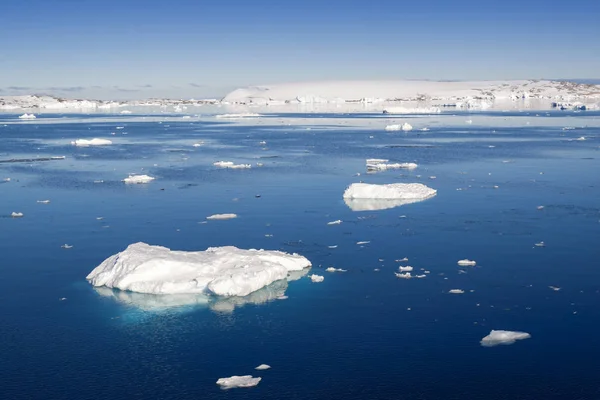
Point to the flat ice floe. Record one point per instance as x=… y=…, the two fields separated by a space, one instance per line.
x=376 y=164
x=364 y=196
x=138 y=179
x=467 y=263
x=332 y=269
x=231 y=165
x=263 y=367
x=496 y=338
x=337 y=222
x=456 y=291
x=221 y=216
x=91 y=142
x=27 y=116
x=235 y=381
x=223 y=271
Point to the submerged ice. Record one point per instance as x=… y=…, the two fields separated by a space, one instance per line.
x=223 y=271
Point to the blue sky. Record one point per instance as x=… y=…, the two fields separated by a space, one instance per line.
x=182 y=48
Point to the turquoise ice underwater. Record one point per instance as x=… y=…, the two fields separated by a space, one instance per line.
x=505 y=182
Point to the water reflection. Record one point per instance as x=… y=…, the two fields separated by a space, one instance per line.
x=377 y=204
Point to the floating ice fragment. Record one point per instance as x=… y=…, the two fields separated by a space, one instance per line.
x=262 y=143
x=263 y=367
x=66 y=246
x=316 y=278
x=16 y=214
x=540 y=244
x=43 y=201
x=402 y=260
x=496 y=338
x=332 y=269
x=376 y=164
x=62 y=299
x=363 y=242
x=221 y=216
x=540 y=207
x=555 y=288
x=332 y=247
x=581 y=138
x=125 y=112
x=198 y=144
x=138 y=179
x=405 y=269
x=235 y=381
x=231 y=165
x=339 y=221
x=92 y=142
x=406 y=275
x=223 y=271
x=27 y=116
x=363 y=196
x=456 y=291
x=467 y=263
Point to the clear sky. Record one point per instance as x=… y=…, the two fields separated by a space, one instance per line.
x=185 y=48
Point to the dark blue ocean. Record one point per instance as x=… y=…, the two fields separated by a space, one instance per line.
x=362 y=334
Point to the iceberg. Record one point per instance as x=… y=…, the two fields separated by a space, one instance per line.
x=412 y=110
x=221 y=216
x=496 y=338
x=376 y=164
x=235 y=381
x=222 y=271
x=456 y=291
x=467 y=263
x=364 y=197
x=27 y=116
x=231 y=165
x=16 y=214
x=92 y=142
x=138 y=179
x=316 y=278
x=332 y=269
x=263 y=367
x=337 y=222
x=405 y=269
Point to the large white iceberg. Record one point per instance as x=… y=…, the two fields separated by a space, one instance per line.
x=238 y=382
x=503 y=337
x=223 y=271
x=91 y=142
x=364 y=196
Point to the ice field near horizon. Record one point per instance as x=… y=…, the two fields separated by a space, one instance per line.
x=517 y=191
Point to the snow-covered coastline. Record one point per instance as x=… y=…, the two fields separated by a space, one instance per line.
x=394 y=97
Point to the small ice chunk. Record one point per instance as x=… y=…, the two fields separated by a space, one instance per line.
x=263 y=143
x=581 y=138
x=66 y=246
x=402 y=260
x=540 y=244
x=339 y=221
x=405 y=269
x=555 y=288
x=406 y=127
x=456 y=291
x=263 y=367
x=43 y=201
x=363 y=196
x=540 y=207
x=16 y=214
x=91 y=142
x=406 y=275
x=138 y=179
x=374 y=164
x=231 y=165
x=316 y=278
x=467 y=263
x=27 y=116
x=496 y=338
x=198 y=144
x=332 y=247
x=332 y=269
x=235 y=381
x=221 y=216
x=363 y=242
x=395 y=127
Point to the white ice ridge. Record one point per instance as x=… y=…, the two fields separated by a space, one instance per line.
x=27 y=116
x=237 y=116
x=92 y=142
x=235 y=381
x=412 y=110
x=364 y=196
x=377 y=164
x=462 y=94
x=467 y=263
x=138 y=179
x=222 y=271
x=231 y=165
x=221 y=216
x=503 y=337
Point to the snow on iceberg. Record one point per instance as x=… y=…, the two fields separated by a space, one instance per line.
x=138 y=179
x=231 y=165
x=223 y=271
x=496 y=338
x=376 y=164
x=27 y=116
x=235 y=381
x=92 y=142
x=221 y=216
x=412 y=110
x=363 y=196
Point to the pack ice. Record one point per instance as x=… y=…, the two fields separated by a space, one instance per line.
x=223 y=271
x=503 y=337
x=364 y=196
